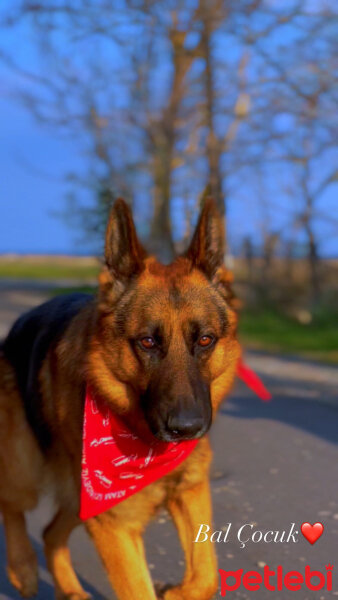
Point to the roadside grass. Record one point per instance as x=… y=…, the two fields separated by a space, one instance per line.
x=53 y=268
x=80 y=289
x=264 y=329
x=270 y=331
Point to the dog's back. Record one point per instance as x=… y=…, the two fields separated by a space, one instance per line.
x=26 y=346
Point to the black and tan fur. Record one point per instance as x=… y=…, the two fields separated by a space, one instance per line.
x=173 y=388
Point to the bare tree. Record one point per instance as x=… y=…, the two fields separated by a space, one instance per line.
x=166 y=99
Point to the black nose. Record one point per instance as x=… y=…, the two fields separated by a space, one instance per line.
x=185 y=425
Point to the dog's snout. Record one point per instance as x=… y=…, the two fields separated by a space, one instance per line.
x=175 y=416
x=185 y=425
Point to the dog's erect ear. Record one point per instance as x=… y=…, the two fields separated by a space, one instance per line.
x=124 y=253
x=207 y=247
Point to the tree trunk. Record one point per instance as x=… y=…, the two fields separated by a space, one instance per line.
x=163 y=138
x=161 y=240
x=213 y=150
x=313 y=261
x=313 y=254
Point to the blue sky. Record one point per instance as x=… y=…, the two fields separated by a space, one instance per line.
x=33 y=165
x=34 y=162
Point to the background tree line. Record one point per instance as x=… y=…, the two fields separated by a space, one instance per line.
x=166 y=98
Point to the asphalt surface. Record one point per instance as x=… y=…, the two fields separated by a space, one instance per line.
x=274 y=464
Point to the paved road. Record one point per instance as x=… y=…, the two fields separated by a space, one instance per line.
x=275 y=464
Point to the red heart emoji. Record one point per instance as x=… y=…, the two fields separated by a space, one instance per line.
x=313 y=532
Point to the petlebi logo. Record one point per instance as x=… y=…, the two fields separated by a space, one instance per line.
x=277 y=579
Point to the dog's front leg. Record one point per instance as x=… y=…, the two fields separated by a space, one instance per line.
x=122 y=552
x=189 y=509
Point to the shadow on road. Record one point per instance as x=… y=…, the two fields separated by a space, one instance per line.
x=317 y=418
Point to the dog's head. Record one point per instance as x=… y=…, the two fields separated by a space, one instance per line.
x=165 y=349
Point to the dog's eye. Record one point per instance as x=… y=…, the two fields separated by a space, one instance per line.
x=147 y=343
x=205 y=341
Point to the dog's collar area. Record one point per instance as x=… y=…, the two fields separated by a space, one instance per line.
x=117 y=463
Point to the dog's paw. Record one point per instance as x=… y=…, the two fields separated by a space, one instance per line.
x=188 y=592
x=168 y=592
x=24 y=576
x=160 y=589
x=174 y=593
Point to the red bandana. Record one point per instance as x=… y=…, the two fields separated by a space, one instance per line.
x=116 y=463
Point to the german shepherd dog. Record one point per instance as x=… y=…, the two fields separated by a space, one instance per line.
x=158 y=343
